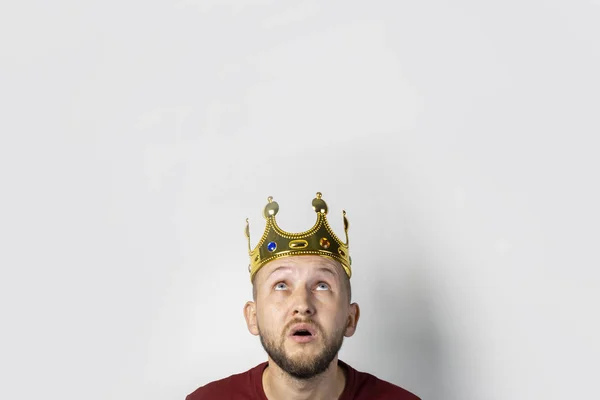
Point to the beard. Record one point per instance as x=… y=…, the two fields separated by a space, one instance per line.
x=303 y=366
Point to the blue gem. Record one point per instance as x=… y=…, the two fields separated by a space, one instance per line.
x=271 y=246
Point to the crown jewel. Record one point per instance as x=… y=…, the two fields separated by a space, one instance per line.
x=318 y=240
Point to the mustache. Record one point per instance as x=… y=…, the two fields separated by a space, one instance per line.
x=295 y=321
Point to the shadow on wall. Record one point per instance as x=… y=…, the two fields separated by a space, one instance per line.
x=403 y=333
x=408 y=342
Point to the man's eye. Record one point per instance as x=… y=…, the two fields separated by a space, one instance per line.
x=280 y=286
x=322 y=286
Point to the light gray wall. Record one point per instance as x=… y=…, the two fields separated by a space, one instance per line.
x=461 y=138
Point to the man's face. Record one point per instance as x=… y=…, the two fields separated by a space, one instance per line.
x=302 y=313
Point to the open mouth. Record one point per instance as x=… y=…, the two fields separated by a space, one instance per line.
x=302 y=332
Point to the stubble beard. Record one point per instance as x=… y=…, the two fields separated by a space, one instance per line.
x=303 y=366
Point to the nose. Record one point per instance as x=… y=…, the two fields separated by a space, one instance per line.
x=302 y=303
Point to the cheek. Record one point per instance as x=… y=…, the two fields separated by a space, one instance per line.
x=340 y=318
x=270 y=317
x=275 y=308
x=333 y=306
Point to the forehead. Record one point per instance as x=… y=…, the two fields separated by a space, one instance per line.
x=304 y=263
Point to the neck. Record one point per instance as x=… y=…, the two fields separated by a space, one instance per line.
x=278 y=385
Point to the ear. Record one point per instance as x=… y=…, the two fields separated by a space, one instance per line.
x=352 y=320
x=250 y=315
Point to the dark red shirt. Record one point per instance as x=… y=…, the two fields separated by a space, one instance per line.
x=248 y=386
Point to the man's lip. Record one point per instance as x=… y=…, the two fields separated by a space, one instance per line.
x=303 y=327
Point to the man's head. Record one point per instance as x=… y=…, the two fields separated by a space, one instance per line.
x=302 y=311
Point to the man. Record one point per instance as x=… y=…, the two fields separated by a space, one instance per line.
x=301 y=310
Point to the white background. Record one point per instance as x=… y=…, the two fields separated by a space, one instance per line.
x=461 y=138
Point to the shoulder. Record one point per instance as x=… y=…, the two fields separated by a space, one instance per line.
x=385 y=390
x=241 y=385
x=367 y=386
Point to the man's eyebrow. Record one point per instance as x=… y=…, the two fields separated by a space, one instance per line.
x=324 y=269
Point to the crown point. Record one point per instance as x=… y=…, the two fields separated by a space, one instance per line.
x=319 y=205
x=346 y=223
x=271 y=208
x=319 y=195
x=247 y=233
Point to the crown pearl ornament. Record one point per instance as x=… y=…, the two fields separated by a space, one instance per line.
x=318 y=240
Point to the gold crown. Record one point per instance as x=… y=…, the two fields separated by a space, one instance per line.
x=318 y=240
